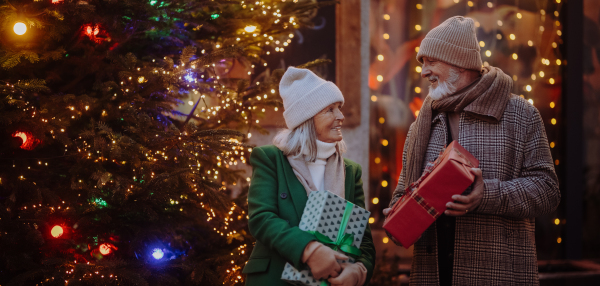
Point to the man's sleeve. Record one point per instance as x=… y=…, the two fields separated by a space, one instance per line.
x=399 y=191
x=536 y=191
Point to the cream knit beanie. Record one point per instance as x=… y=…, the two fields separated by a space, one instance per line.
x=453 y=42
x=304 y=94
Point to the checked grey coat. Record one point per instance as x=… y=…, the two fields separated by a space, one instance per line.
x=494 y=244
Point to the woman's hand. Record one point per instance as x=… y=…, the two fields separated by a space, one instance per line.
x=351 y=275
x=323 y=262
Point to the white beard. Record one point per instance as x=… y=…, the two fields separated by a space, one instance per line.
x=445 y=88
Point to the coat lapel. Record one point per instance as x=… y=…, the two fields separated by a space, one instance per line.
x=297 y=191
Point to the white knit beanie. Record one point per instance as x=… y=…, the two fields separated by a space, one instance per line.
x=305 y=94
x=454 y=42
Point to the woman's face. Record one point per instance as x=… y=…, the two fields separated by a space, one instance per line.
x=328 y=123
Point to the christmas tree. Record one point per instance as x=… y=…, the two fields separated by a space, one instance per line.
x=105 y=179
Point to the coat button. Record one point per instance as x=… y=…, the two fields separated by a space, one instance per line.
x=283 y=196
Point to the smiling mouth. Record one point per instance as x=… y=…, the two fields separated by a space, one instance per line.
x=338 y=128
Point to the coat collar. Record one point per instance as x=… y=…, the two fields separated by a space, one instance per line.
x=297 y=192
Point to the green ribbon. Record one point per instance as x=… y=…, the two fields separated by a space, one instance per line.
x=343 y=240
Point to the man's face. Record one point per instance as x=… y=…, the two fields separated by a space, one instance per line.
x=442 y=77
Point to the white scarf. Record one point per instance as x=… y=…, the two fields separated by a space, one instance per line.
x=333 y=174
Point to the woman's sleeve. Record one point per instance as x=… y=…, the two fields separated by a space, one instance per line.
x=264 y=222
x=366 y=247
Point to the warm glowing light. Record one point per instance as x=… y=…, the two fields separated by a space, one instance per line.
x=542 y=74
x=512 y=36
x=417 y=89
x=488 y=53
x=386 y=36
x=551 y=81
x=56 y=231
x=552 y=144
x=556 y=221
x=56 y=1
x=553 y=121
x=515 y=56
x=528 y=88
x=552 y=104
x=499 y=36
x=530 y=101
x=379 y=78
x=381 y=120
x=386 y=17
x=418 y=69
x=371 y=220
x=530 y=43
x=418 y=27
x=23 y=136
x=20 y=28
x=559 y=240
x=558 y=62
x=157 y=253
x=386 y=240
x=373 y=98
x=384 y=183
x=250 y=28
x=482 y=44
x=384 y=142
x=375 y=201
x=105 y=248
x=519 y=15
x=419 y=6
x=377 y=160
x=380 y=57
x=141 y=79
x=416 y=49
x=556 y=162
x=470 y=3
x=490 y=4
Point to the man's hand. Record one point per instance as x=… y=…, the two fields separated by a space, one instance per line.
x=465 y=204
x=386 y=212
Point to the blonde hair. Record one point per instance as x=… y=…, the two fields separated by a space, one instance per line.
x=302 y=140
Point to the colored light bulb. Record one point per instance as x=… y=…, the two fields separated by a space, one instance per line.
x=56 y=231
x=158 y=253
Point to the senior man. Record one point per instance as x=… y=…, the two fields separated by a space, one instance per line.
x=486 y=236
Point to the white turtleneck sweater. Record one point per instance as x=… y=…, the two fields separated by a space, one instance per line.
x=317 y=169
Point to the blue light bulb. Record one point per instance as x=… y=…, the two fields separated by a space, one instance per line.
x=158 y=253
x=189 y=77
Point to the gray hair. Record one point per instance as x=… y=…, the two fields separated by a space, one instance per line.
x=302 y=140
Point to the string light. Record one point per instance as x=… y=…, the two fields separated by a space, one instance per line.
x=57 y=231
x=20 y=28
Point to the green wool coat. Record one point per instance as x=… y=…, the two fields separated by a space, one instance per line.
x=276 y=201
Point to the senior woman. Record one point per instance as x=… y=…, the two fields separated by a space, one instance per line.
x=306 y=157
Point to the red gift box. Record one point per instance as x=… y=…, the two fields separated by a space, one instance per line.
x=425 y=200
